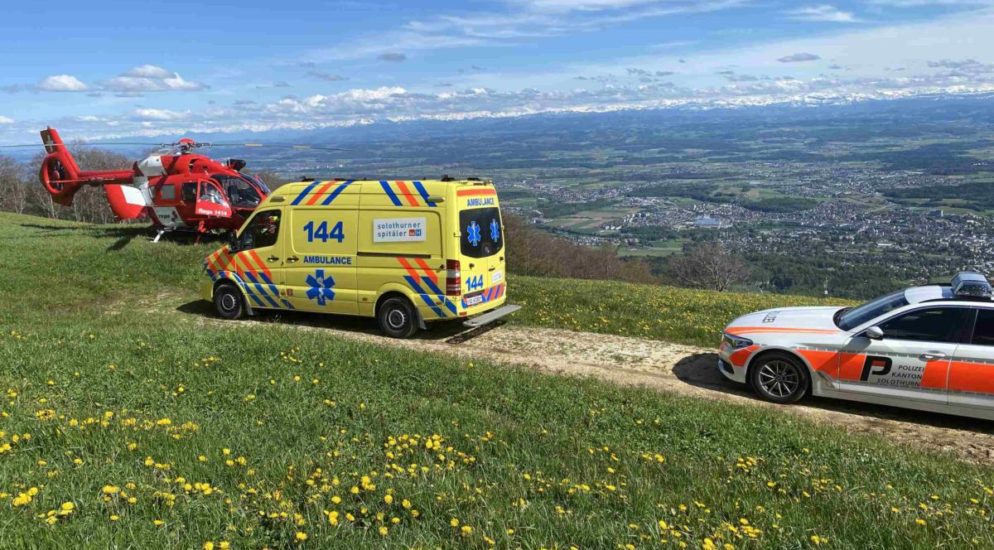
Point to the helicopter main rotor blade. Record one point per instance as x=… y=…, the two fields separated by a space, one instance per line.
x=85 y=143
x=284 y=145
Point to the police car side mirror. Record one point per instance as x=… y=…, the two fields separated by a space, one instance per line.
x=874 y=333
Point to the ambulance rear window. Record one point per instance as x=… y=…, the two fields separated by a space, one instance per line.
x=482 y=232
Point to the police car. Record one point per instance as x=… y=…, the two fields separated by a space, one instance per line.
x=929 y=348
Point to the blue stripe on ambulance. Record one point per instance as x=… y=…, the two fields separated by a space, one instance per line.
x=304 y=193
x=390 y=193
x=272 y=287
x=438 y=292
x=334 y=194
x=423 y=192
x=244 y=286
x=261 y=289
x=426 y=298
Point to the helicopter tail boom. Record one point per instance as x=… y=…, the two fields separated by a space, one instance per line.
x=61 y=176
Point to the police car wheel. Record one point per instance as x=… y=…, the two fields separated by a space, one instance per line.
x=228 y=302
x=397 y=318
x=780 y=378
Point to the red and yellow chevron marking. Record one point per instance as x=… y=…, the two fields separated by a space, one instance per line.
x=427 y=270
x=413 y=272
x=406 y=193
x=319 y=193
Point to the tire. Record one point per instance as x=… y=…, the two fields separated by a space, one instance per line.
x=228 y=302
x=397 y=318
x=779 y=378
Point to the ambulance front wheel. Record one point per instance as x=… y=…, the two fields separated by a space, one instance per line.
x=397 y=318
x=228 y=302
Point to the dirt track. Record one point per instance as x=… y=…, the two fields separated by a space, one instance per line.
x=685 y=370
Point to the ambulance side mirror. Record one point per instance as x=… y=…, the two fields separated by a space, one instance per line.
x=874 y=333
x=233 y=241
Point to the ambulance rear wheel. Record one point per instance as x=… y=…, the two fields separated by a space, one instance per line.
x=397 y=318
x=228 y=302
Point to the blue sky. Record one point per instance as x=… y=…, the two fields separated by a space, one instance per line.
x=117 y=68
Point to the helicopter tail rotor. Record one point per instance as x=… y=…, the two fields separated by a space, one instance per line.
x=59 y=173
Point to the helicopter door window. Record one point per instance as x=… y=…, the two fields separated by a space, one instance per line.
x=262 y=231
x=210 y=193
x=190 y=192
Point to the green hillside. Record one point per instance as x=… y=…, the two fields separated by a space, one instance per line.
x=128 y=419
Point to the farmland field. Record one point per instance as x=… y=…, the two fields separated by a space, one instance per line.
x=126 y=425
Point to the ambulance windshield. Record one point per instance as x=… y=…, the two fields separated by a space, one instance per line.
x=482 y=232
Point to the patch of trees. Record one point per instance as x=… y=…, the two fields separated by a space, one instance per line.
x=979 y=194
x=21 y=192
x=531 y=251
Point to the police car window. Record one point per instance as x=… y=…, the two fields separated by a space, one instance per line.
x=262 y=231
x=983 y=331
x=871 y=310
x=928 y=325
x=482 y=232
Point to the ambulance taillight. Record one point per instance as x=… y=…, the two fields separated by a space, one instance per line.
x=453 y=278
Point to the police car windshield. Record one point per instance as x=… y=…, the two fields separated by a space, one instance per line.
x=849 y=319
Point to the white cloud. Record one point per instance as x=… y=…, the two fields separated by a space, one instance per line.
x=151 y=78
x=823 y=13
x=948 y=55
x=6 y=120
x=523 y=19
x=148 y=71
x=800 y=57
x=581 y=5
x=159 y=114
x=62 y=83
x=920 y=3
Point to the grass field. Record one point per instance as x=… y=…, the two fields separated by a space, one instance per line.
x=124 y=425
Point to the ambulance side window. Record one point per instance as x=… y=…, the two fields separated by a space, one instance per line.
x=262 y=231
x=943 y=324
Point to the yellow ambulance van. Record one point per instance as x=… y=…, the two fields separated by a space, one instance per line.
x=404 y=252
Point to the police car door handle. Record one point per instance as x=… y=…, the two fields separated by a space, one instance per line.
x=292 y=259
x=932 y=356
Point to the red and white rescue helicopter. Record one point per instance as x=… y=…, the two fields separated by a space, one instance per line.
x=175 y=188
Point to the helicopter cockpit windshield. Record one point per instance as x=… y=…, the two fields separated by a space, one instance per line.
x=242 y=193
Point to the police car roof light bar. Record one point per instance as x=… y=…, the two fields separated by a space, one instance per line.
x=970 y=284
